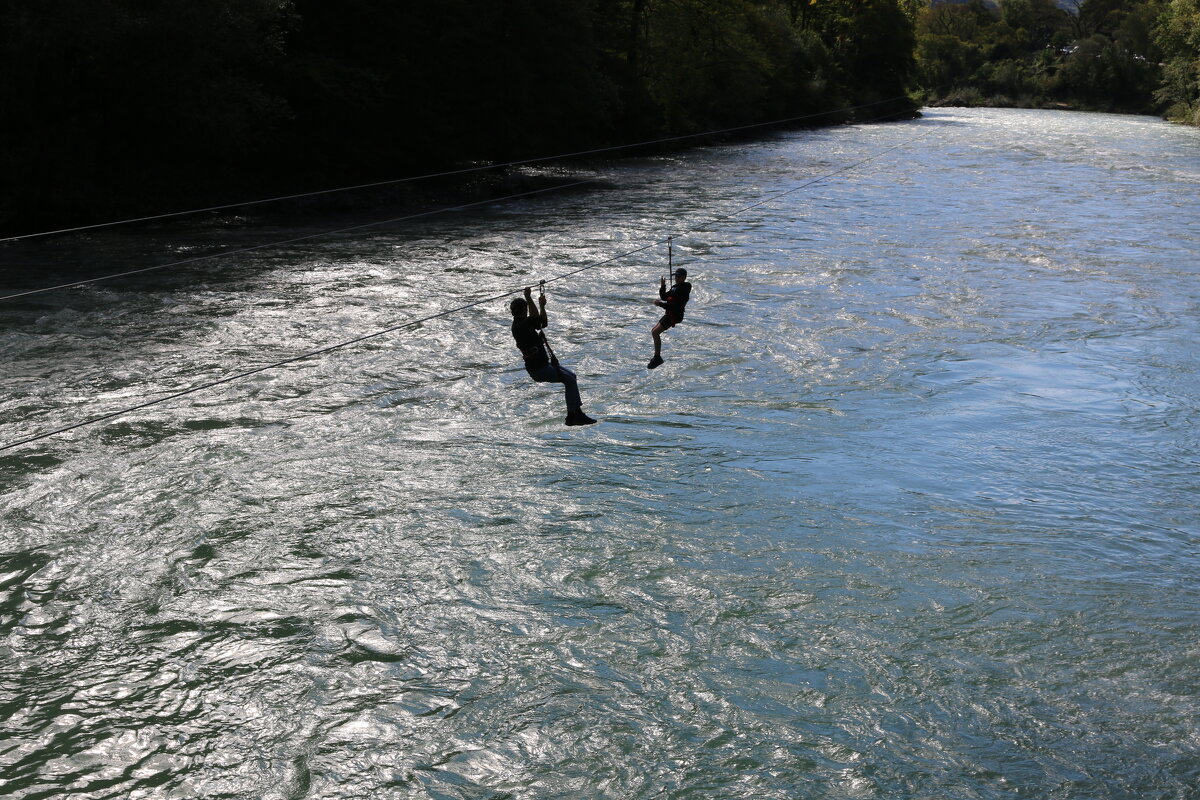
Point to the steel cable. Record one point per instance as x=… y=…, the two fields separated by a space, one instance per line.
x=448 y=312
x=448 y=173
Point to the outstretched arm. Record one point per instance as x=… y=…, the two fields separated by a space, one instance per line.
x=534 y=313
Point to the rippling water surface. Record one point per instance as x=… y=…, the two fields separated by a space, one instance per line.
x=909 y=512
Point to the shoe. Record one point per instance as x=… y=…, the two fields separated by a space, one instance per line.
x=577 y=417
x=654 y=362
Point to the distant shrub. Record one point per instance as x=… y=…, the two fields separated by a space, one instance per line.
x=968 y=96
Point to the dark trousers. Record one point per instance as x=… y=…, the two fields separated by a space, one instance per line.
x=552 y=373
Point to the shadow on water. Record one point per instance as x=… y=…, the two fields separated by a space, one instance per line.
x=16 y=466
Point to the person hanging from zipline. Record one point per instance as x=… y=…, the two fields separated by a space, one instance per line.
x=540 y=361
x=672 y=301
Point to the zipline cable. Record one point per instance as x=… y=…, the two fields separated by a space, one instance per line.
x=320 y=234
x=446 y=174
x=254 y=371
x=415 y=322
x=744 y=209
x=252 y=248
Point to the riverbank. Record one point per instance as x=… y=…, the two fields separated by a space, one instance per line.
x=125 y=109
x=971 y=97
x=455 y=184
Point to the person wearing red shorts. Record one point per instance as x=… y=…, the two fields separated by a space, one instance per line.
x=672 y=301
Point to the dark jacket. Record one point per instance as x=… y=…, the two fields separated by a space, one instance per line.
x=675 y=298
x=525 y=331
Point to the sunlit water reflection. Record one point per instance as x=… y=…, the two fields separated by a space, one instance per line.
x=910 y=510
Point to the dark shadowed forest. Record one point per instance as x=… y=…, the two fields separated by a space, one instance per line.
x=127 y=107
x=124 y=106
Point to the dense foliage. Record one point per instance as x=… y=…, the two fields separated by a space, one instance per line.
x=128 y=106
x=121 y=107
x=1179 y=38
x=1111 y=55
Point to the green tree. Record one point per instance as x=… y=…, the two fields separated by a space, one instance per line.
x=378 y=84
x=1034 y=21
x=130 y=106
x=1030 y=52
x=1178 y=35
x=107 y=100
x=1102 y=74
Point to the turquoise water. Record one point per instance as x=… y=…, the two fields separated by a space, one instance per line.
x=909 y=512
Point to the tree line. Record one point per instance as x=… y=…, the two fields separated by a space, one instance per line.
x=125 y=107
x=121 y=107
x=1140 y=56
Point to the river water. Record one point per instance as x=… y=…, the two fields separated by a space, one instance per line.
x=910 y=511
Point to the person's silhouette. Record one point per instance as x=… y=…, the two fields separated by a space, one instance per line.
x=540 y=362
x=672 y=300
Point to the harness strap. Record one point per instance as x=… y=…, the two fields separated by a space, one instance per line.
x=542 y=332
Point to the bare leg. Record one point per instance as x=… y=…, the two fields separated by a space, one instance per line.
x=656 y=332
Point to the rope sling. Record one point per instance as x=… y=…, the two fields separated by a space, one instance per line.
x=542 y=331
